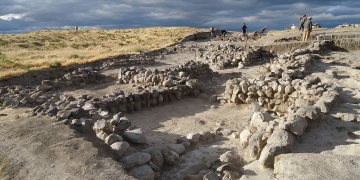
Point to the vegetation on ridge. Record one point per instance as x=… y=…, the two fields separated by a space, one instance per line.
x=53 y=48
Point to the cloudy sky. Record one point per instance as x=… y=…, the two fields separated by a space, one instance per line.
x=18 y=16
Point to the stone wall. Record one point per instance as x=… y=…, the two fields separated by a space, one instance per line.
x=175 y=75
x=229 y=55
x=128 y=60
x=286 y=89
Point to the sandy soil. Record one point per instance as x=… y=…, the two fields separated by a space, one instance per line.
x=41 y=148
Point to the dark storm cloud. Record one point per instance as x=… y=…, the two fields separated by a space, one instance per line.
x=28 y=15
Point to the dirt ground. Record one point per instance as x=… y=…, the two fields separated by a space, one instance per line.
x=38 y=147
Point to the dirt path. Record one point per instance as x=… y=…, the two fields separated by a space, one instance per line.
x=38 y=148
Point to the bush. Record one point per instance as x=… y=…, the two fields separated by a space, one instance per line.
x=3 y=42
x=74 y=56
x=25 y=67
x=6 y=63
x=55 y=64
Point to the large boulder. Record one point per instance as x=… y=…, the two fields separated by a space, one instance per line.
x=279 y=142
x=193 y=137
x=298 y=166
x=244 y=138
x=259 y=121
x=228 y=157
x=120 y=148
x=113 y=138
x=156 y=156
x=323 y=105
x=135 y=136
x=283 y=138
x=178 y=148
x=123 y=123
x=269 y=153
x=256 y=144
x=170 y=157
x=99 y=125
x=295 y=124
x=136 y=159
x=311 y=112
x=143 y=172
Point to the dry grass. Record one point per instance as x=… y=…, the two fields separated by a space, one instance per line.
x=20 y=53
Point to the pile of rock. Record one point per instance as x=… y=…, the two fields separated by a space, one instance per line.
x=224 y=55
x=347 y=25
x=173 y=76
x=267 y=137
x=275 y=95
x=17 y=95
x=286 y=88
x=62 y=106
x=179 y=48
x=129 y=144
x=128 y=61
x=146 y=163
x=14 y=96
x=81 y=76
x=282 y=86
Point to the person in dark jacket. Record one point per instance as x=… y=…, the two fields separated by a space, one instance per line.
x=223 y=33
x=307 y=29
x=302 y=21
x=244 y=29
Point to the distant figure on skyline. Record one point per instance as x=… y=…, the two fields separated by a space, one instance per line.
x=212 y=32
x=307 y=29
x=223 y=33
x=302 y=21
x=244 y=29
x=263 y=30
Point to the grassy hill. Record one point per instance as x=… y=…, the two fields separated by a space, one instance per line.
x=20 y=53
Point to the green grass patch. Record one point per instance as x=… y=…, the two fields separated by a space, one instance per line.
x=74 y=56
x=37 y=57
x=25 y=67
x=3 y=42
x=81 y=46
x=37 y=43
x=55 y=64
x=52 y=56
x=6 y=63
x=23 y=45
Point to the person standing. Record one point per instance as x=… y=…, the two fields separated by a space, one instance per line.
x=302 y=21
x=212 y=32
x=244 y=29
x=307 y=29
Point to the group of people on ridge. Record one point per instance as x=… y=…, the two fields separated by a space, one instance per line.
x=243 y=29
x=306 y=26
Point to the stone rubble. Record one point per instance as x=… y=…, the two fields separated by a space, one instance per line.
x=286 y=89
x=287 y=83
x=230 y=55
x=128 y=60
